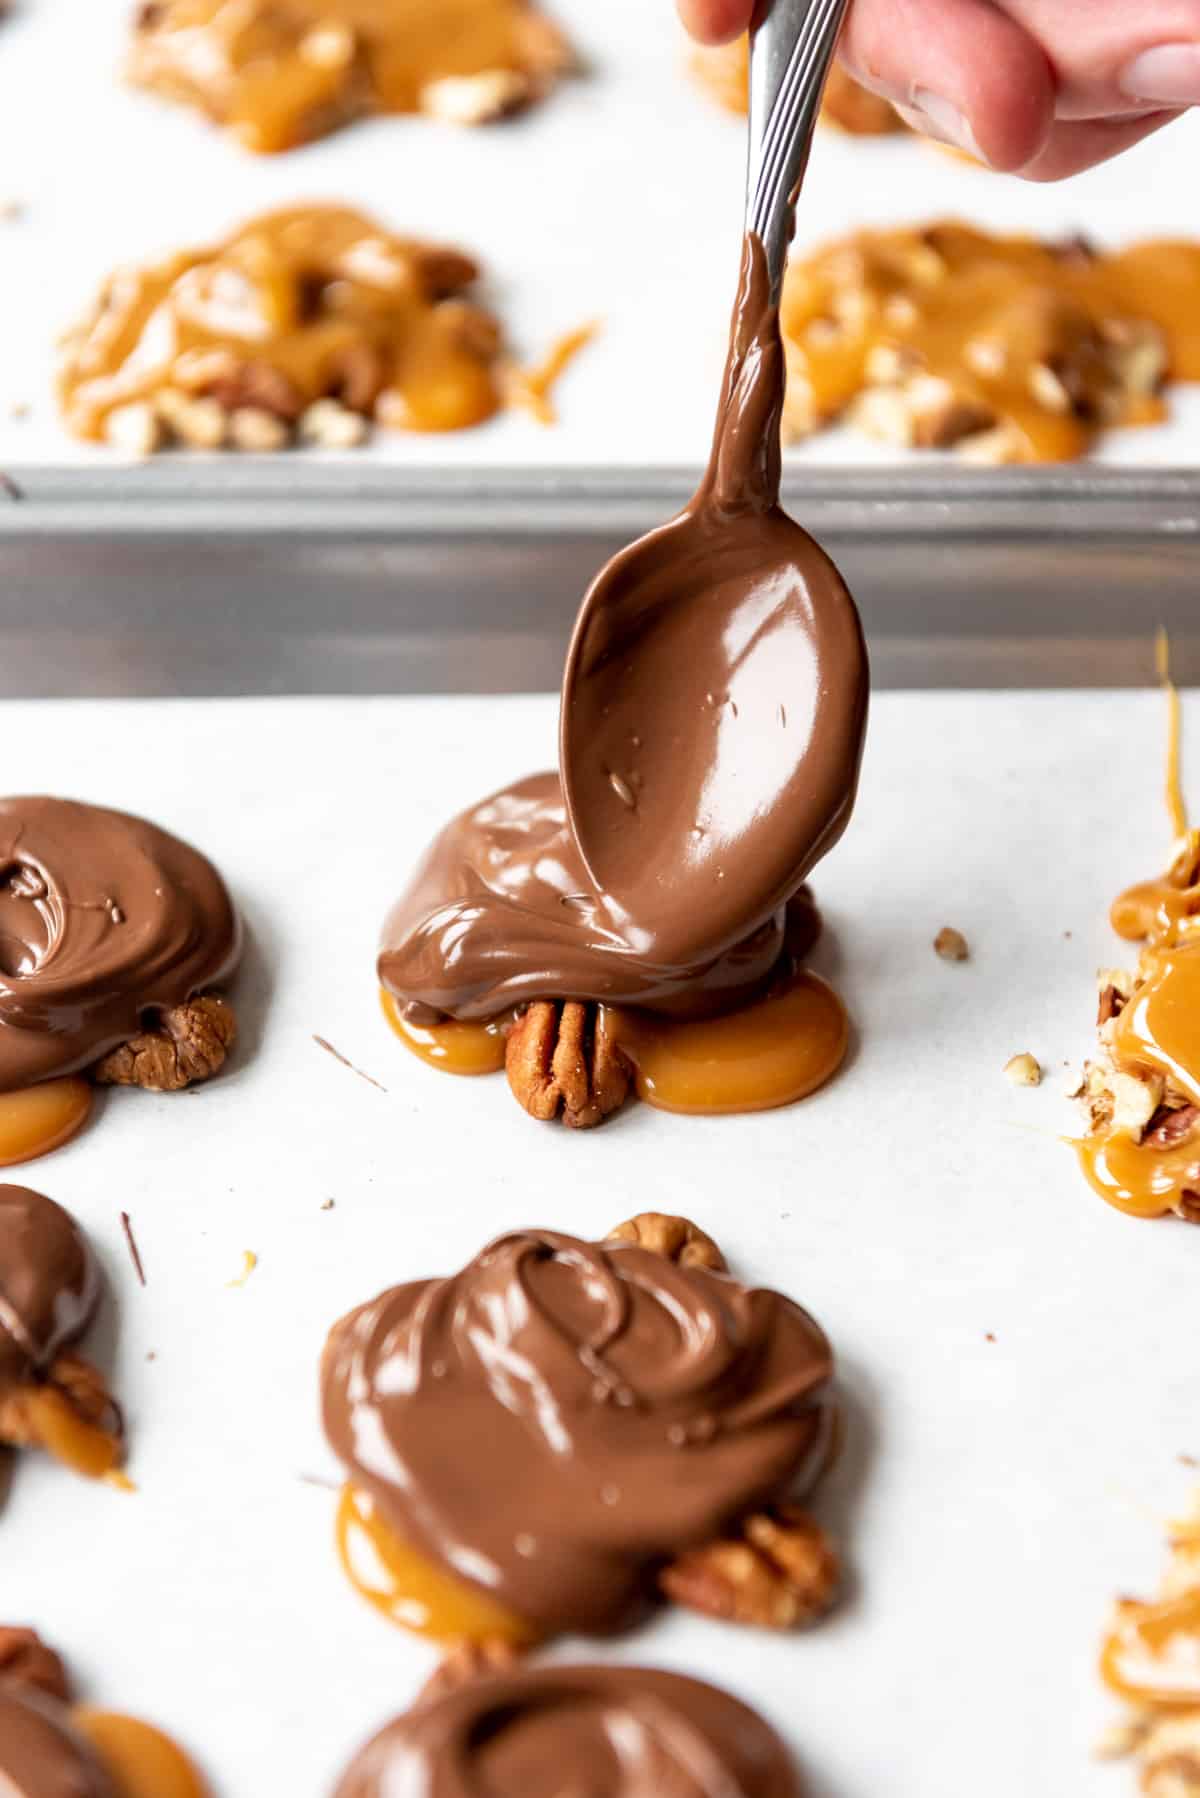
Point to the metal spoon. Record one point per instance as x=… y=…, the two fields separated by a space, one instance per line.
x=714 y=697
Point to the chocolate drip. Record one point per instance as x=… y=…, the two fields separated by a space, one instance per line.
x=712 y=725
x=41 y=1755
x=561 y=1417
x=104 y=919
x=616 y=1732
x=49 y=1282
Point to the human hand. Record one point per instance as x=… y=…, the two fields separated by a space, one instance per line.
x=1043 y=88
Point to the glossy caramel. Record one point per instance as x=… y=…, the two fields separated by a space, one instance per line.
x=1048 y=343
x=140 y=1761
x=1157 y=1031
x=70 y=1440
x=772 y=1052
x=453 y=1046
x=309 y=303
x=532 y=389
x=277 y=73
x=37 y=1119
x=410 y=1590
x=779 y=1048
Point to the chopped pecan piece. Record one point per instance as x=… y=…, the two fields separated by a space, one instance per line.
x=951 y=944
x=190 y=1044
x=675 y=1237
x=562 y=1062
x=781 y=1571
x=259 y=386
x=26 y=1661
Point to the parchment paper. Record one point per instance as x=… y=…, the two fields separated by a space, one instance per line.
x=995 y=1493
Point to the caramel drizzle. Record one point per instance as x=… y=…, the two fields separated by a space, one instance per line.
x=1150 y=1171
x=1048 y=344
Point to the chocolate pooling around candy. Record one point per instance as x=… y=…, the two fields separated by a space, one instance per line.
x=501 y=911
x=614 y=1732
x=560 y=1418
x=49 y=1282
x=713 y=714
x=105 y=921
x=42 y=1755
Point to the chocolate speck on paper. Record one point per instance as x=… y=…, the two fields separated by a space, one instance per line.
x=135 y=1254
x=338 y=1056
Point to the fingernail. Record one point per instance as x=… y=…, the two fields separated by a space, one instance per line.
x=945 y=122
x=1169 y=75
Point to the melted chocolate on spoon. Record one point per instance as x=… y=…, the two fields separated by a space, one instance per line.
x=715 y=693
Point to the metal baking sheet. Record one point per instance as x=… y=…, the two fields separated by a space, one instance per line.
x=1018 y=1360
x=365 y=579
x=618 y=200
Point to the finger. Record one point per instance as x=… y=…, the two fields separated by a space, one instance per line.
x=715 y=21
x=970 y=74
x=1114 y=57
x=1078 y=144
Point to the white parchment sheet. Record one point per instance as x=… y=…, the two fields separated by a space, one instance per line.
x=620 y=200
x=995 y=1493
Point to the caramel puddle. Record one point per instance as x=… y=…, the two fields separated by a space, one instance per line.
x=36 y=1119
x=454 y=1047
x=771 y=1052
x=140 y=1760
x=411 y=1590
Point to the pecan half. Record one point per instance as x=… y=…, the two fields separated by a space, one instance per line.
x=1167 y=1128
x=678 y=1238
x=190 y=1044
x=781 y=1571
x=562 y=1062
x=26 y=1661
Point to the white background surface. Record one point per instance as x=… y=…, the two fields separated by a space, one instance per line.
x=619 y=199
x=995 y=1495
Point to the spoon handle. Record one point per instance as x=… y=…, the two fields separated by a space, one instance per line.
x=791 y=48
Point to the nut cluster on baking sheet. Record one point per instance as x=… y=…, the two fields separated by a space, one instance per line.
x=1151 y=1661
x=53 y=1747
x=1006 y=349
x=304 y=326
x=668 y=1427
x=278 y=73
x=113 y=935
x=505 y=1730
x=482 y=933
x=1141 y=1092
x=50 y=1397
